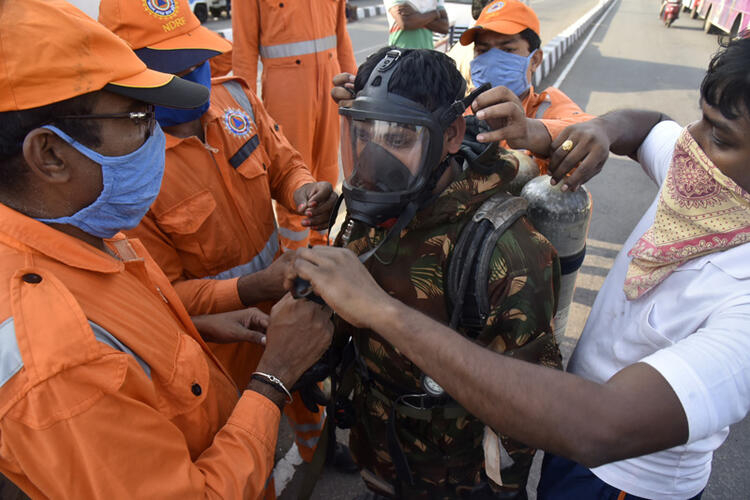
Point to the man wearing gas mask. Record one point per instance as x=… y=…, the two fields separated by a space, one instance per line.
x=506 y=54
x=409 y=195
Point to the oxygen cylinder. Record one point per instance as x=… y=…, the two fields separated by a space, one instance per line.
x=563 y=218
x=527 y=169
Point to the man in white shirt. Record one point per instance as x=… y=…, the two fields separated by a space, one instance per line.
x=663 y=366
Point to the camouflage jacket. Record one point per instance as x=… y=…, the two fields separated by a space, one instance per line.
x=444 y=452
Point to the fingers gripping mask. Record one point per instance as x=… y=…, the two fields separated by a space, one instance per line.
x=500 y=68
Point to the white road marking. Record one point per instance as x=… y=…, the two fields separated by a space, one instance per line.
x=284 y=470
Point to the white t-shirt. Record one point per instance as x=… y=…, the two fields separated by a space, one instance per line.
x=694 y=328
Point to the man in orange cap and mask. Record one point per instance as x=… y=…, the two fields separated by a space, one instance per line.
x=303 y=44
x=107 y=389
x=212 y=228
x=506 y=54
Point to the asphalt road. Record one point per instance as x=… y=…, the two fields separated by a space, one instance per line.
x=631 y=60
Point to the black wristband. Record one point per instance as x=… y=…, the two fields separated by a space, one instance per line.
x=278 y=387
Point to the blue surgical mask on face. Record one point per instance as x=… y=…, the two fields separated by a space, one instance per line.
x=168 y=117
x=130 y=185
x=501 y=68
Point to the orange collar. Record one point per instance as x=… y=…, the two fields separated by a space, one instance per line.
x=19 y=231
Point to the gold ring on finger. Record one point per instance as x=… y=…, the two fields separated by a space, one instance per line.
x=567 y=145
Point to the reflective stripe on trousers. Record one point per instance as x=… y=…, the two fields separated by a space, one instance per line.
x=298 y=48
x=315 y=426
x=259 y=262
x=307 y=443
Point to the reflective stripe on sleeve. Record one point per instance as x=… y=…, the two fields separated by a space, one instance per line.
x=107 y=338
x=294 y=235
x=542 y=109
x=298 y=48
x=260 y=261
x=10 y=356
x=235 y=90
x=238 y=94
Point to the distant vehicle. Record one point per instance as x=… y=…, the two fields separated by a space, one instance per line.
x=670 y=10
x=721 y=16
x=200 y=9
x=216 y=6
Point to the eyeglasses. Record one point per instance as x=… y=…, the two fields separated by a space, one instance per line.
x=139 y=118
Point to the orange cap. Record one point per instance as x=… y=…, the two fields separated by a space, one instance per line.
x=50 y=52
x=507 y=17
x=165 y=34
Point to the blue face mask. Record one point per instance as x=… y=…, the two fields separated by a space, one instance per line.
x=168 y=117
x=501 y=68
x=130 y=185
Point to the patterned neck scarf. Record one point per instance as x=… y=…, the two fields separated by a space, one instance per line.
x=700 y=211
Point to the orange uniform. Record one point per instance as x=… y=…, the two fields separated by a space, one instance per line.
x=303 y=44
x=555 y=110
x=106 y=388
x=213 y=220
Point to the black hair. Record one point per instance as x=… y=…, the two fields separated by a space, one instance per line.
x=15 y=125
x=726 y=85
x=477 y=6
x=427 y=77
x=531 y=38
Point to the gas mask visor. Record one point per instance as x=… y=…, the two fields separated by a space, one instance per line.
x=383 y=156
x=391 y=148
x=387 y=158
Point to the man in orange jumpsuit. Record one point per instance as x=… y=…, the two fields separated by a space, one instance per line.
x=106 y=388
x=212 y=228
x=303 y=44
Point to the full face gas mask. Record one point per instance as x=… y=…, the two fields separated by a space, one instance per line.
x=391 y=151
x=391 y=148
